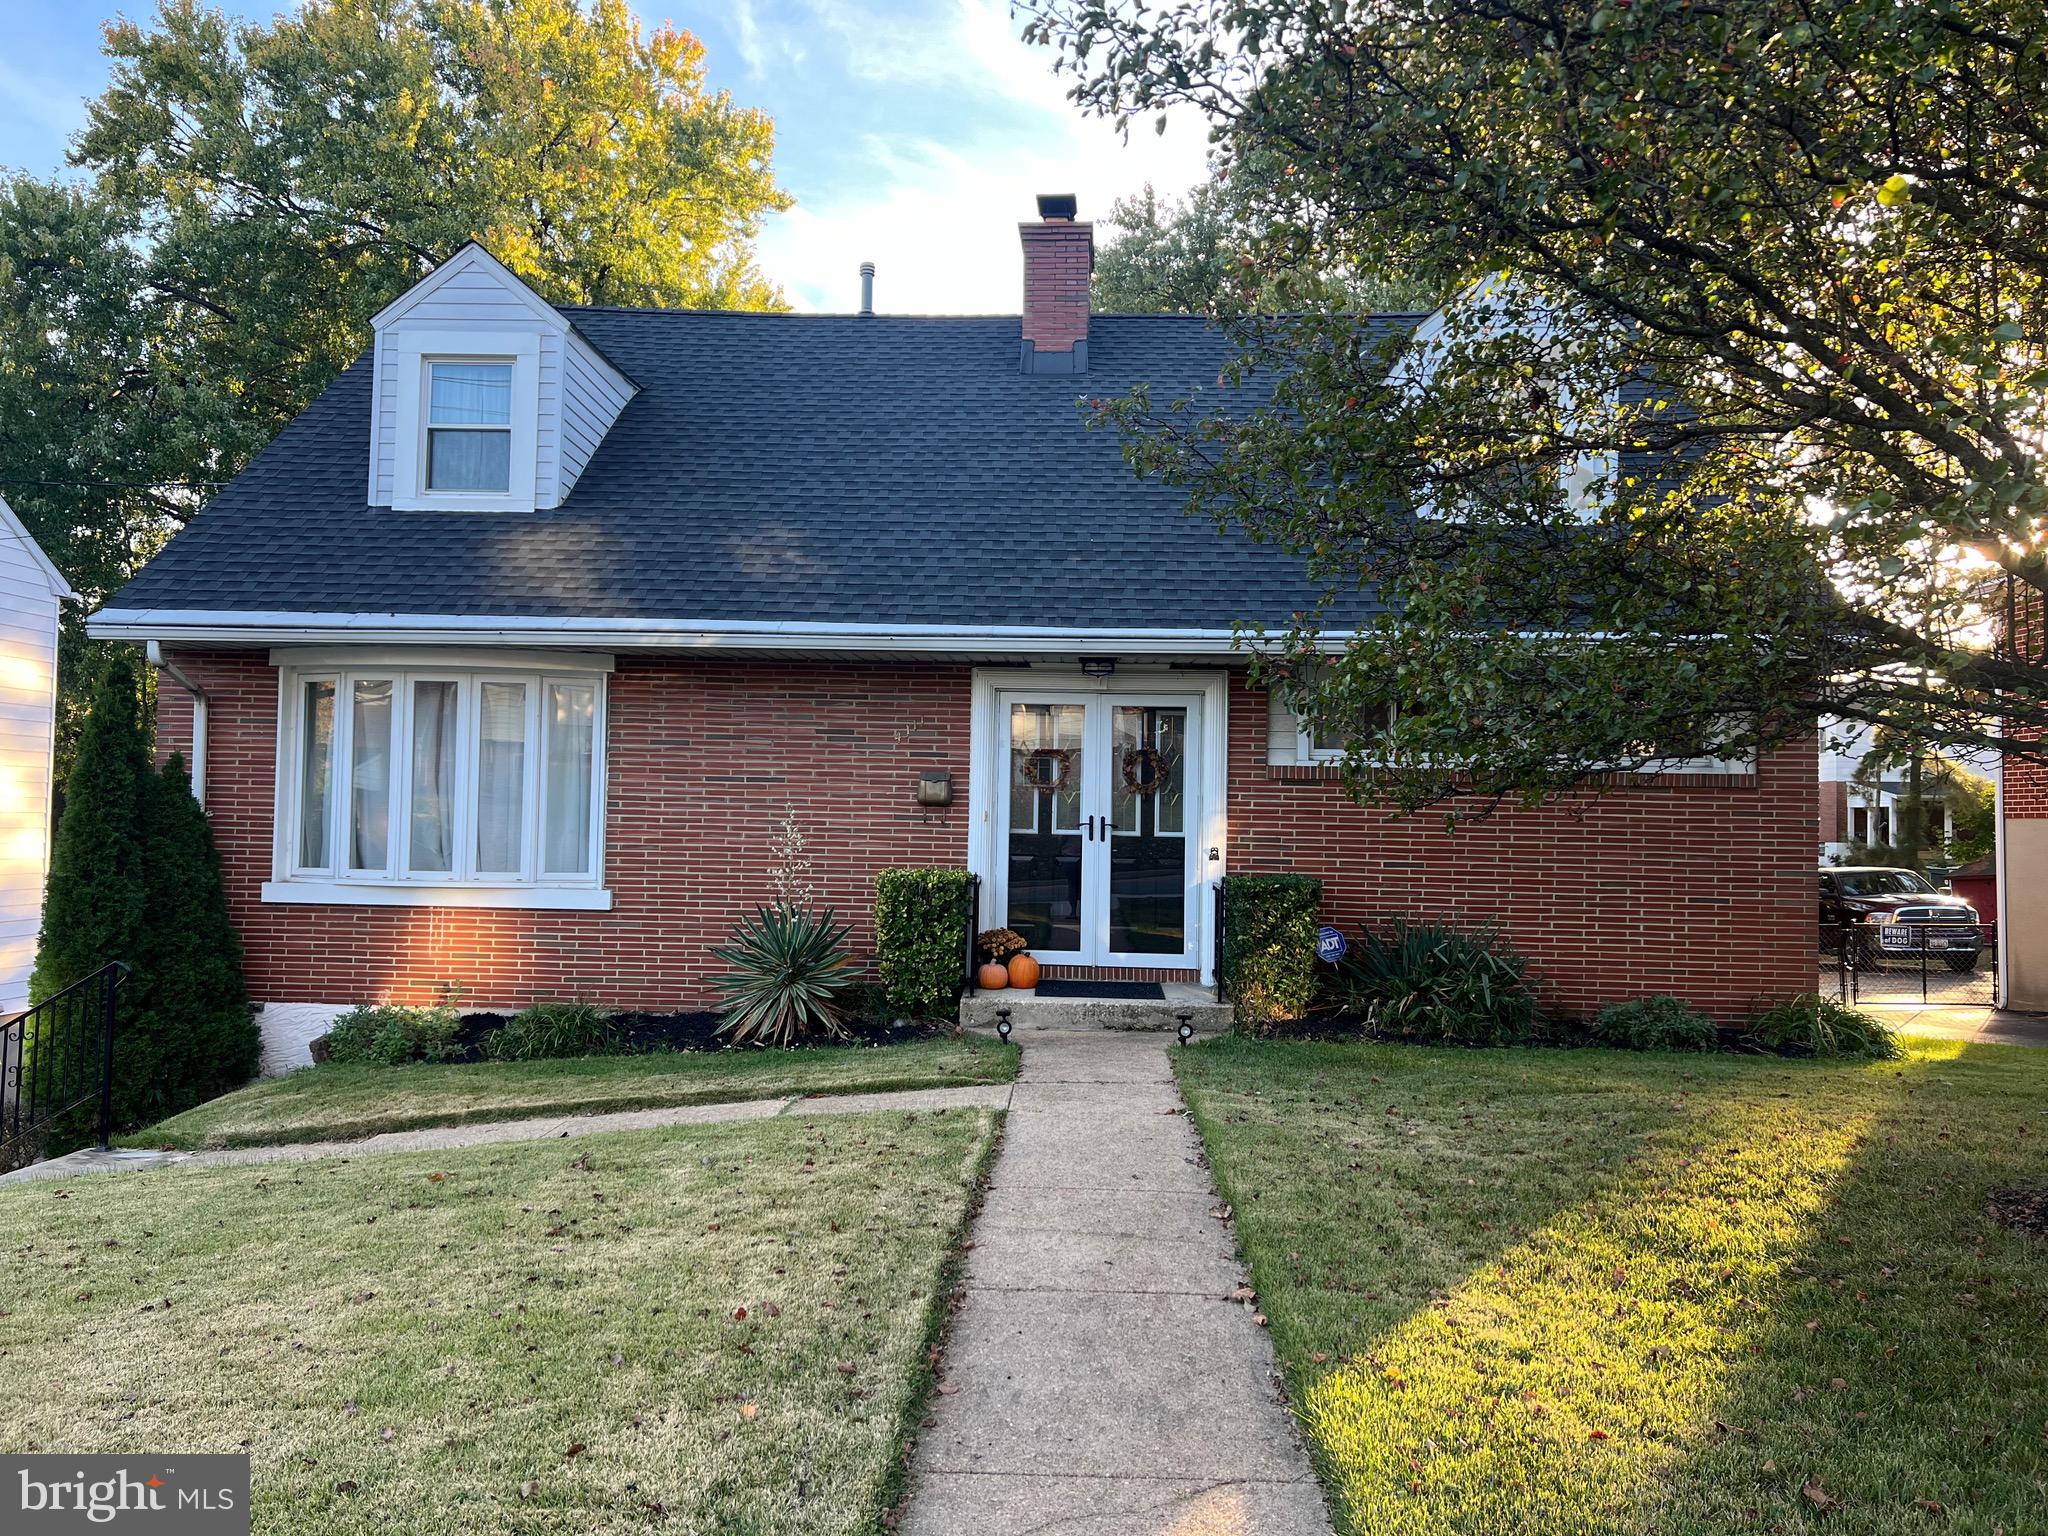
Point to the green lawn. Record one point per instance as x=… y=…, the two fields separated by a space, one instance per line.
x=1589 y=1292
x=338 y=1103
x=538 y=1337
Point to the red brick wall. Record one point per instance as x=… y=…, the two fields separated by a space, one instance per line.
x=1058 y=256
x=1702 y=887
x=703 y=758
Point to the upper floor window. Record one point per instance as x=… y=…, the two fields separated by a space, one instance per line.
x=469 y=426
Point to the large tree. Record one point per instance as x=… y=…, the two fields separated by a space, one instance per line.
x=252 y=195
x=1194 y=256
x=1739 y=420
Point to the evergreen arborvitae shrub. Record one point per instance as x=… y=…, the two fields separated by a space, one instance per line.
x=93 y=908
x=190 y=1032
x=135 y=877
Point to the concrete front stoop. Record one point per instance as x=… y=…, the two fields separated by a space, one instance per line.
x=1105 y=1374
x=1029 y=1011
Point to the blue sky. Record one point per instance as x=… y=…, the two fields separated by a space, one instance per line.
x=913 y=134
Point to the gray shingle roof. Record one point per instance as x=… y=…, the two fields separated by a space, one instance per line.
x=834 y=469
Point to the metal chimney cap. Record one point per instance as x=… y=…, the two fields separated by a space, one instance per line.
x=867 y=269
x=1058 y=205
x=867 y=288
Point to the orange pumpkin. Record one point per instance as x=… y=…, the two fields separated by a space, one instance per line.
x=1023 y=971
x=993 y=977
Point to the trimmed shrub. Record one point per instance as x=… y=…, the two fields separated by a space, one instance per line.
x=1814 y=1024
x=788 y=968
x=921 y=925
x=550 y=1030
x=1659 y=1022
x=391 y=1034
x=1433 y=982
x=1269 y=946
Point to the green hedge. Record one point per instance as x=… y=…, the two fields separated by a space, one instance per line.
x=1269 y=945
x=921 y=927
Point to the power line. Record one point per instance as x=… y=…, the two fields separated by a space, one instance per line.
x=119 y=485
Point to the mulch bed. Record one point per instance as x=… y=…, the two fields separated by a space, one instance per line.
x=2024 y=1210
x=648 y=1032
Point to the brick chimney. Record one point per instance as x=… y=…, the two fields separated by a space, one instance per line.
x=1059 y=253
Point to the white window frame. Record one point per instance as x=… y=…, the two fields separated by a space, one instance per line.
x=429 y=426
x=396 y=884
x=413 y=355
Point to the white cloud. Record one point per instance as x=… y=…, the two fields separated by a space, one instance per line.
x=939 y=218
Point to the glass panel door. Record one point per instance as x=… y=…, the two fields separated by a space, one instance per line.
x=1148 y=834
x=1043 y=837
x=1098 y=817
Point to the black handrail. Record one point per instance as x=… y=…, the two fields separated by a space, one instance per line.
x=972 y=918
x=56 y=1058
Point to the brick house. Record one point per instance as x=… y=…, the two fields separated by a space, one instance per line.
x=502 y=665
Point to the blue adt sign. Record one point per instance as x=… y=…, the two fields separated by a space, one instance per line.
x=1330 y=945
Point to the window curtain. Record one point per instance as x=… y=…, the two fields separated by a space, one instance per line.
x=501 y=777
x=370 y=777
x=316 y=768
x=464 y=459
x=571 y=723
x=433 y=778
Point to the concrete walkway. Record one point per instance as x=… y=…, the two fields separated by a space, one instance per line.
x=540 y=1128
x=1979 y=1026
x=1099 y=1380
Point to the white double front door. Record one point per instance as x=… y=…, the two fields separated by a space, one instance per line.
x=1098 y=825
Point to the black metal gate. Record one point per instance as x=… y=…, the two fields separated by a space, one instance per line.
x=55 y=1060
x=1943 y=964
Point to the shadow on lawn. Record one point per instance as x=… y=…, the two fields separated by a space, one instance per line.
x=1664 y=1309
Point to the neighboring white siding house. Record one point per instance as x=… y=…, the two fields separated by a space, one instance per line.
x=30 y=589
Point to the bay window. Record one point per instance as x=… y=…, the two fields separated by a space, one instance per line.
x=449 y=786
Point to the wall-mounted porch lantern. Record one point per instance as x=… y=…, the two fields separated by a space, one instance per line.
x=934 y=788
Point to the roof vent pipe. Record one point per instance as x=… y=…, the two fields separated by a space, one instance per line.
x=867 y=287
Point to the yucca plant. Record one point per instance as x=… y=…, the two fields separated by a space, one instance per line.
x=1429 y=981
x=789 y=967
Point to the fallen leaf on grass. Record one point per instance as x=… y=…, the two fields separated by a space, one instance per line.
x=1819 y=1497
x=748 y=1410
x=1244 y=1293
x=574 y=1451
x=1220 y=1212
x=1929 y=1507
x=528 y=1490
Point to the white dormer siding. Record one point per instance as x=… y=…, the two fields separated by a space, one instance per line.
x=565 y=395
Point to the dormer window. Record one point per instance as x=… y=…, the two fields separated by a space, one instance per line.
x=469 y=426
x=487 y=398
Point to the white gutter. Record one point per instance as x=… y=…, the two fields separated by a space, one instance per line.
x=282 y=627
x=189 y=626
x=155 y=653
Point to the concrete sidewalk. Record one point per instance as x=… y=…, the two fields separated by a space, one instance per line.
x=1979 y=1026
x=539 y=1128
x=1099 y=1380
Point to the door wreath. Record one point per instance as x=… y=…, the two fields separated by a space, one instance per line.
x=1046 y=768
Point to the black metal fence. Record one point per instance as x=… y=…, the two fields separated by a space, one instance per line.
x=55 y=1061
x=1942 y=963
